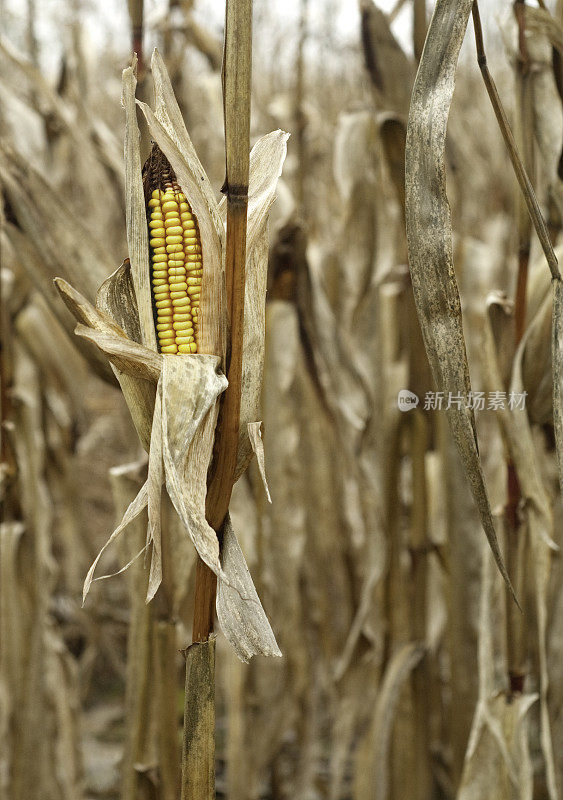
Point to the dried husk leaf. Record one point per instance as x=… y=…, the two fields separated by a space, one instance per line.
x=255 y=437
x=116 y=297
x=127 y=356
x=188 y=427
x=429 y=234
x=266 y=162
x=239 y=610
x=136 y=217
x=181 y=441
x=498 y=762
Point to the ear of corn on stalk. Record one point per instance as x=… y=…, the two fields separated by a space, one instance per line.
x=175 y=258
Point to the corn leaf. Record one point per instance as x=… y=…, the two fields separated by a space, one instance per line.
x=429 y=235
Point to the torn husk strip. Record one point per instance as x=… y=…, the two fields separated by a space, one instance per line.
x=198 y=750
x=429 y=234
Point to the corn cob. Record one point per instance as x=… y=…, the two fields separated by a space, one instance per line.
x=175 y=259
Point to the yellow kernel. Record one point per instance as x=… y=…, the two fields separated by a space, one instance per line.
x=174 y=248
x=166 y=303
x=186 y=327
x=159 y=257
x=178 y=286
x=195 y=258
x=160 y=274
x=177 y=272
x=171 y=220
x=175 y=295
x=163 y=326
x=174 y=240
x=184 y=206
x=154 y=203
x=193 y=281
x=171 y=348
x=184 y=338
x=160 y=241
x=174 y=230
x=169 y=205
x=156 y=193
x=159 y=251
x=187 y=219
x=160 y=282
x=158 y=232
x=182 y=316
x=187 y=348
x=155 y=222
x=161 y=292
x=194 y=289
x=181 y=302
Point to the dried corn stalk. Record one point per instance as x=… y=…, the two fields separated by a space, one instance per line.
x=173 y=398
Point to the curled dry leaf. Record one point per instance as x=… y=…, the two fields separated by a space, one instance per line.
x=429 y=235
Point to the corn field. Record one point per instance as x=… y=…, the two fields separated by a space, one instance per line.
x=281 y=461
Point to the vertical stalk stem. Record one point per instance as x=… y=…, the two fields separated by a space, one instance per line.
x=198 y=754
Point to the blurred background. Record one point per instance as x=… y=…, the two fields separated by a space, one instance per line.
x=404 y=674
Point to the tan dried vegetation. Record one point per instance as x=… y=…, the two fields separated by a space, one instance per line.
x=261 y=340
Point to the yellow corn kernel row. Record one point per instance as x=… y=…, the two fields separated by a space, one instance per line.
x=176 y=270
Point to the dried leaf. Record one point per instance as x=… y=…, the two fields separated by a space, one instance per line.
x=498 y=761
x=239 y=610
x=429 y=234
x=255 y=437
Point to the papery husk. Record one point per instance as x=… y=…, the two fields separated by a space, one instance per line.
x=266 y=162
x=116 y=297
x=136 y=368
x=180 y=451
x=429 y=234
x=239 y=610
x=136 y=216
